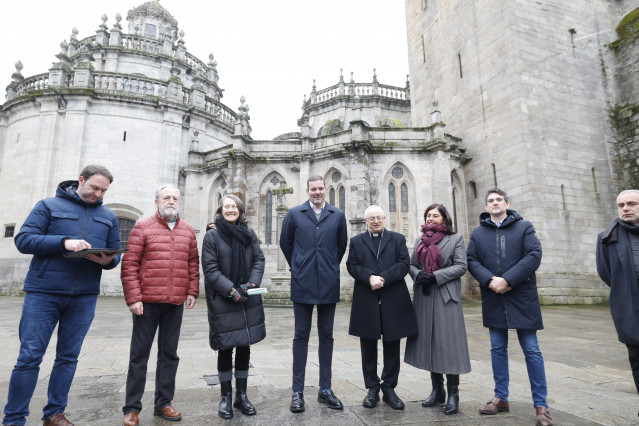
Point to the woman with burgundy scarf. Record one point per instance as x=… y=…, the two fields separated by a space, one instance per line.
x=233 y=263
x=437 y=263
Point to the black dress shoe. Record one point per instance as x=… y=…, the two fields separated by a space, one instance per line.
x=391 y=398
x=372 y=398
x=297 y=402
x=327 y=397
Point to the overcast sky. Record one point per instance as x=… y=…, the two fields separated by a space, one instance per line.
x=268 y=51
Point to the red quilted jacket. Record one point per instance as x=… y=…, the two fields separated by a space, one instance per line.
x=162 y=265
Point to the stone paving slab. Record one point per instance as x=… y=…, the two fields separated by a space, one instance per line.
x=589 y=378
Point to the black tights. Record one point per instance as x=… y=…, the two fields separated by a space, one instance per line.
x=242 y=358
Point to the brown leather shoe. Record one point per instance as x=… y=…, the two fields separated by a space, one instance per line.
x=168 y=413
x=543 y=417
x=495 y=406
x=131 y=419
x=57 y=420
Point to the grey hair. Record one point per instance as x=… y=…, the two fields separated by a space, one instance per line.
x=636 y=191
x=166 y=186
x=373 y=207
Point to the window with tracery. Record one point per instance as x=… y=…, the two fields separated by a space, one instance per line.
x=335 y=188
x=399 y=211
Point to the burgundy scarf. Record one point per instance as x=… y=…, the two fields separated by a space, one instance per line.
x=428 y=254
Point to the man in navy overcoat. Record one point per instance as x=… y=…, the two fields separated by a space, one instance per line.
x=313 y=240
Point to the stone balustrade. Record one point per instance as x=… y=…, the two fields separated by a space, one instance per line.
x=33 y=83
x=141 y=44
x=131 y=85
x=220 y=111
x=128 y=84
x=196 y=64
x=361 y=90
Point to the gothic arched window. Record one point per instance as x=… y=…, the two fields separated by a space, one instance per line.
x=404 y=190
x=392 y=198
x=399 y=218
x=335 y=187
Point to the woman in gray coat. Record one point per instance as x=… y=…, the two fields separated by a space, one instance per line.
x=437 y=263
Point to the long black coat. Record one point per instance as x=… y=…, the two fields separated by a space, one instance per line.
x=616 y=268
x=397 y=313
x=232 y=324
x=512 y=252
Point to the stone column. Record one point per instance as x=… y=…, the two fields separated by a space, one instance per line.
x=280 y=291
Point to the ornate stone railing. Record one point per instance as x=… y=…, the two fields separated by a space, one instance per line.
x=361 y=90
x=195 y=63
x=141 y=44
x=128 y=84
x=220 y=111
x=29 y=84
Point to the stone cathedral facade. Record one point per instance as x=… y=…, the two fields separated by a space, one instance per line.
x=133 y=98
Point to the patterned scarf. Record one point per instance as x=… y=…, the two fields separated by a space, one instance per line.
x=238 y=237
x=428 y=254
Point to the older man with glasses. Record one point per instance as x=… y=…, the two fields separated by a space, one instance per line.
x=378 y=260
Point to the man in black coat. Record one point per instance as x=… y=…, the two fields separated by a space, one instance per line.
x=378 y=260
x=503 y=255
x=618 y=267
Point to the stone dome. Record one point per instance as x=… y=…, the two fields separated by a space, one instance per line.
x=152 y=8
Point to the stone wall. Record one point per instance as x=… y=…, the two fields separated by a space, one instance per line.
x=624 y=115
x=527 y=86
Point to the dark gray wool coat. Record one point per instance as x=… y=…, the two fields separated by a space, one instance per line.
x=232 y=324
x=616 y=268
x=441 y=345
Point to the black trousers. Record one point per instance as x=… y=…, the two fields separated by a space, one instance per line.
x=633 y=356
x=303 y=316
x=242 y=359
x=390 y=372
x=168 y=319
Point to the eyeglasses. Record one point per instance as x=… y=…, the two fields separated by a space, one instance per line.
x=376 y=218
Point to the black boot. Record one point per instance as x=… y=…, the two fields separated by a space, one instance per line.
x=241 y=400
x=226 y=403
x=452 y=384
x=438 y=395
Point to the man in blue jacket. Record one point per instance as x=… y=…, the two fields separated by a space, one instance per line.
x=313 y=240
x=60 y=291
x=618 y=267
x=503 y=255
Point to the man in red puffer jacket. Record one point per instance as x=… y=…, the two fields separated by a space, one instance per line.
x=159 y=273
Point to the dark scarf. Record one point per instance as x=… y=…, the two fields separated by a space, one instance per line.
x=238 y=237
x=633 y=236
x=428 y=254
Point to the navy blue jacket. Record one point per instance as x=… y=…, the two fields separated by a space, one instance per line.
x=388 y=310
x=616 y=268
x=66 y=216
x=314 y=250
x=512 y=252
